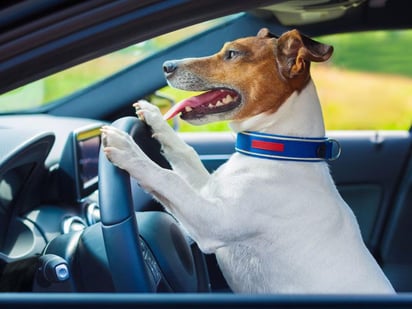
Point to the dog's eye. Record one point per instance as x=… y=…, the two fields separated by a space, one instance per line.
x=230 y=54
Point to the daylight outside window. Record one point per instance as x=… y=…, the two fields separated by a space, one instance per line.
x=355 y=86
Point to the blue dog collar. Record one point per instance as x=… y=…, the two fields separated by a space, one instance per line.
x=279 y=147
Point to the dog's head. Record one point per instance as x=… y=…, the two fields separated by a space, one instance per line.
x=246 y=77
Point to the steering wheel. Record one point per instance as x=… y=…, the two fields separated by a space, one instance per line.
x=132 y=268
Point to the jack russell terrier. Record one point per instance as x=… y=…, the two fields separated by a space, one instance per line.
x=271 y=213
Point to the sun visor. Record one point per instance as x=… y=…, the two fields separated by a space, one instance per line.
x=311 y=11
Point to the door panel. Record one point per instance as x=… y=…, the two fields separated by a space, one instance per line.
x=396 y=249
x=364 y=199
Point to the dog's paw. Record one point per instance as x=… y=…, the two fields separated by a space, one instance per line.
x=151 y=115
x=161 y=130
x=118 y=146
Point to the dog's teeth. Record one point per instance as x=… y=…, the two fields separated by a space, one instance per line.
x=228 y=99
x=211 y=105
x=188 y=109
x=219 y=103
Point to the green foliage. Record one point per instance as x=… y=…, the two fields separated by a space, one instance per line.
x=380 y=51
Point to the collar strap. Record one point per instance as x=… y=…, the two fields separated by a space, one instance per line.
x=279 y=147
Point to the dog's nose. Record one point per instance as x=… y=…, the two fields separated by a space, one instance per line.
x=169 y=67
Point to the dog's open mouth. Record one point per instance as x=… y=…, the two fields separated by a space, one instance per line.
x=211 y=102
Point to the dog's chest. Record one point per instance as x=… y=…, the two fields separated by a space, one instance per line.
x=241 y=176
x=261 y=185
x=271 y=208
x=244 y=268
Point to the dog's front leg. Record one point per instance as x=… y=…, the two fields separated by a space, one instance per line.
x=183 y=158
x=189 y=206
x=122 y=151
x=120 y=148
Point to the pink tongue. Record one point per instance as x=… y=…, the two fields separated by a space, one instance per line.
x=204 y=98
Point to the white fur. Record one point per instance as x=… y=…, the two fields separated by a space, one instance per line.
x=275 y=226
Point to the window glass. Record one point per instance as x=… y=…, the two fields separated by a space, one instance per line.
x=367 y=84
x=56 y=86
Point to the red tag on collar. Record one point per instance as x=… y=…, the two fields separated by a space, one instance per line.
x=270 y=146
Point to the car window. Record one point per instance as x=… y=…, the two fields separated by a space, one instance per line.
x=61 y=84
x=366 y=85
x=368 y=82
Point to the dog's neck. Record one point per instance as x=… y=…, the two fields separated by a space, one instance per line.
x=300 y=115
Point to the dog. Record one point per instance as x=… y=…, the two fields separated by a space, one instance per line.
x=271 y=213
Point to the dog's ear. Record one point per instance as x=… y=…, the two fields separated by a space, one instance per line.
x=266 y=34
x=295 y=51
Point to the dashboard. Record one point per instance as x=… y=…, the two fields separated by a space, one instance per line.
x=48 y=196
x=48 y=180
